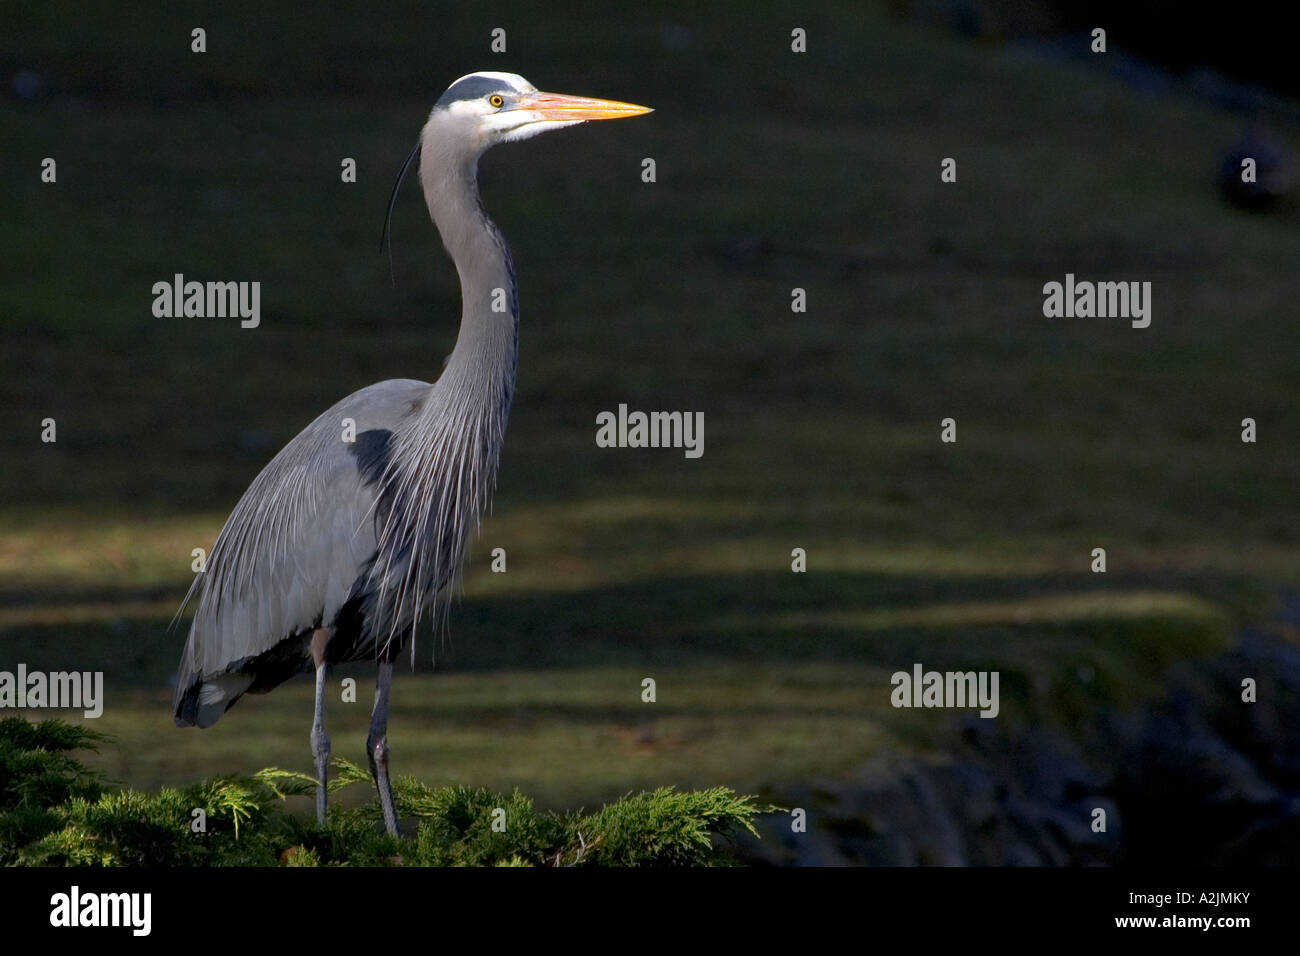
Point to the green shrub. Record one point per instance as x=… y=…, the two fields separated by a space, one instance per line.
x=56 y=812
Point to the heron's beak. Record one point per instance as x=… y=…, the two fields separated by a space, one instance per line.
x=577 y=109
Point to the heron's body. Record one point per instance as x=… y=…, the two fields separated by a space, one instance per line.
x=339 y=548
x=295 y=555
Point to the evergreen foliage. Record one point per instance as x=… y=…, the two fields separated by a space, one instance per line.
x=56 y=812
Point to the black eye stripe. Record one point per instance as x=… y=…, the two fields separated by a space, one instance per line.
x=470 y=88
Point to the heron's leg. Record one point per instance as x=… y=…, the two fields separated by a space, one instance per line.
x=377 y=745
x=320 y=741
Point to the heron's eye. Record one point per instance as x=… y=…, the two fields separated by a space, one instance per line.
x=496 y=101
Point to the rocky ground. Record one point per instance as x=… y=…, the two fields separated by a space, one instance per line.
x=1203 y=778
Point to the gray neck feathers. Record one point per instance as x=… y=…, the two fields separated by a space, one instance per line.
x=442 y=469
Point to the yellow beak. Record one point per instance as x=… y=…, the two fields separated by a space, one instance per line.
x=578 y=109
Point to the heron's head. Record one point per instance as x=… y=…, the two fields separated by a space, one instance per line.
x=483 y=109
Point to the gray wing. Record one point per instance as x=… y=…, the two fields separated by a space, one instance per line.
x=290 y=551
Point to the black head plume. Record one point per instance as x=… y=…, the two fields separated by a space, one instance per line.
x=386 y=239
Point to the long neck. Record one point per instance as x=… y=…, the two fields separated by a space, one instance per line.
x=486 y=350
x=443 y=461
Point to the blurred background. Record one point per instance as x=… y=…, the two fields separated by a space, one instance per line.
x=775 y=170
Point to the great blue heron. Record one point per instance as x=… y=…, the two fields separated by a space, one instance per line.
x=338 y=549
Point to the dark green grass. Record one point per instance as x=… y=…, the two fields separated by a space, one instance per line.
x=759 y=679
